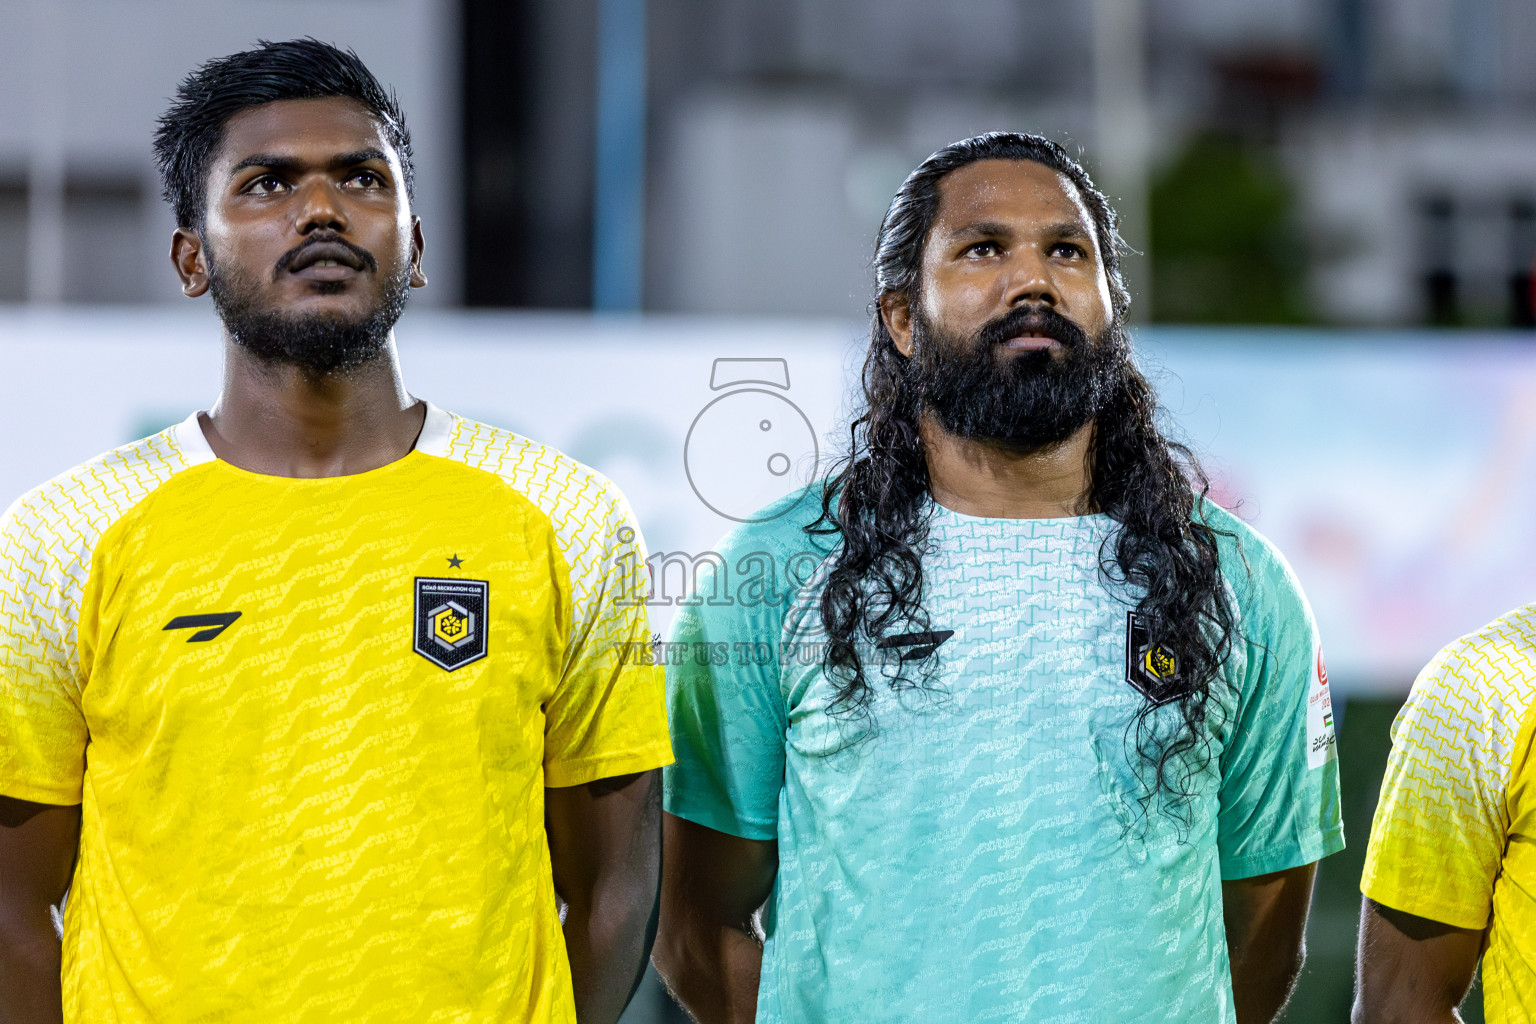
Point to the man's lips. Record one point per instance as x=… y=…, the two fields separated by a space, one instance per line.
x=325 y=261
x=1030 y=341
x=1033 y=330
x=325 y=271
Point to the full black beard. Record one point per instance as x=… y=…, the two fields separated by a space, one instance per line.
x=1022 y=402
x=318 y=344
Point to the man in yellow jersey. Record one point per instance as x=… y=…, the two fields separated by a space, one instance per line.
x=1450 y=874
x=314 y=702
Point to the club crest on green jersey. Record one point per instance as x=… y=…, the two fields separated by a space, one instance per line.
x=451 y=620
x=1150 y=667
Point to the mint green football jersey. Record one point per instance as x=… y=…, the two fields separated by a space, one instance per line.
x=984 y=846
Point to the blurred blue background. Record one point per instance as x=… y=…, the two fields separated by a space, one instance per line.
x=1333 y=204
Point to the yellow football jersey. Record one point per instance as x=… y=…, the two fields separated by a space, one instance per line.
x=1454 y=838
x=311 y=721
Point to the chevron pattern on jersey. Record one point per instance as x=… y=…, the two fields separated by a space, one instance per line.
x=590 y=517
x=1456 y=735
x=1454 y=825
x=47 y=535
x=47 y=538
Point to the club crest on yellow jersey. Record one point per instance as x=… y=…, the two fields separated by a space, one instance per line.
x=451 y=621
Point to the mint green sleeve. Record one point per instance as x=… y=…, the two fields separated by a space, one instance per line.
x=726 y=711
x=1280 y=775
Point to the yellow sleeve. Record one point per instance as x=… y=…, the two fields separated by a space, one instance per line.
x=608 y=713
x=1437 y=840
x=47 y=540
x=42 y=729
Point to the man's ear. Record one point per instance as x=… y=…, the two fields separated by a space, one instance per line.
x=191 y=263
x=896 y=313
x=418 y=246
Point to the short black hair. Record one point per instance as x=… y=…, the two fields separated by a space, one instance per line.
x=192 y=130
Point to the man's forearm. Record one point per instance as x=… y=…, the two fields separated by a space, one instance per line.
x=1261 y=985
x=709 y=950
x=29 y=973
x=607 y=945
x=37 y=854
x=1265 y=917
x=714 y=974
x=1412 y=970
x=605 y=855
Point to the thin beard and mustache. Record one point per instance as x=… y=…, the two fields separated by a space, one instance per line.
x=319 y=343
x=1023 y=402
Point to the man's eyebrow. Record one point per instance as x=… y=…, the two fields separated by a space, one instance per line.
x=272 y=161
x=1067 y=229
x=982 y=229
x=362 y=156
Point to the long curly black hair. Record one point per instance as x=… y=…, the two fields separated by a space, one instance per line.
x=877 y=498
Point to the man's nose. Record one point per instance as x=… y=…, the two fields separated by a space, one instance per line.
x=320 y=207
x=1030 y=281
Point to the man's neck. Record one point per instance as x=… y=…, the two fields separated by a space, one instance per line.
x=281 y=421
x=979 y=479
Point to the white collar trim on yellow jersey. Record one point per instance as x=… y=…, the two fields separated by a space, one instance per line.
x=435 y=439
x=436 y=435
x=189 y=439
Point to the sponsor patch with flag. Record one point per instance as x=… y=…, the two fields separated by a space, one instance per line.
x=1321 y=745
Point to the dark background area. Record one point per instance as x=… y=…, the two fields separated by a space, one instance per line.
x=529 y=72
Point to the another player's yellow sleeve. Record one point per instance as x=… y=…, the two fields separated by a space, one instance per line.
x=42 y=729
x=1438 y=837
x=608 y=714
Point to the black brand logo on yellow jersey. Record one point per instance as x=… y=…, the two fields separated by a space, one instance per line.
x=452 y=620
x=207 y=626
x=1150 y=667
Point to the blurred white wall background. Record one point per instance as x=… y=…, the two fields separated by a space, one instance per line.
x=81 y=218
x=1395 y=470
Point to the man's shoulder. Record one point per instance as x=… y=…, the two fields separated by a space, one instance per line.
x=50 y=535
x=73 y=509
x=755 y=572
x=1505 y=646
x=1254 y=568
x=787 y=527
x=1244 y=551
x=576 y=498
x=1489 y=673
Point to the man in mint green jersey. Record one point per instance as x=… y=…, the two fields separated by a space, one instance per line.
x=1021 y=728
